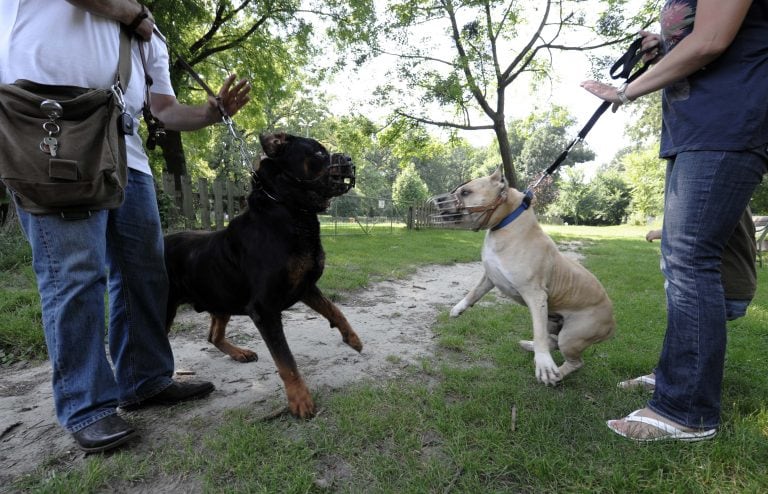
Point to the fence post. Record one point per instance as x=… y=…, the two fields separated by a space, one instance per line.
x=218 y=203
x=410 y=218
x=205 y=207
x=231 y=210
x=187 y=208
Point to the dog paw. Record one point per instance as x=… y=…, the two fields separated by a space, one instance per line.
x=353 y=341
x=526 y=345
x=458 y=309
x=303 y=410
x=243 y=355
x=547 y=371
x=302 y=406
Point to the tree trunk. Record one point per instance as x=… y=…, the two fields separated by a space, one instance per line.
x=173 y=153
x=506 y=153
x=175 y=161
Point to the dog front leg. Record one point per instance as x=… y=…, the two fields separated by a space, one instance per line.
x=318 y=302
x=299 y=399
x=547 y=371
x=216 y=335
x=483 y=286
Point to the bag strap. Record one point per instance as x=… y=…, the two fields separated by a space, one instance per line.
x=155 y=127
x=123 y=76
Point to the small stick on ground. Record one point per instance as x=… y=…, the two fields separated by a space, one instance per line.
x=276 y=414
x=455 y=479
x=513 y=412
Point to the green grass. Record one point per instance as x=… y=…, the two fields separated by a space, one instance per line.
x=472 y=418
x=21 y=331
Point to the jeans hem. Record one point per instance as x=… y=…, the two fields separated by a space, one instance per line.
x=104 y=413
x=676 y=420
x=154 y=390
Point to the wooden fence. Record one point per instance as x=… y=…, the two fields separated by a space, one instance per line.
x=208 y=205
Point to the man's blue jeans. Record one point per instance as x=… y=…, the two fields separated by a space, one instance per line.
x=75 y=262
x=706 y=193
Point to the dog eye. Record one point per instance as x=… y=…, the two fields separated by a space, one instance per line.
x=465 y=192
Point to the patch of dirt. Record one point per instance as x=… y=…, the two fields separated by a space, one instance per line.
x=393 y=319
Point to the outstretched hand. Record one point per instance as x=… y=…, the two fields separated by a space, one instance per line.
x=603 y=91
x=232 y=97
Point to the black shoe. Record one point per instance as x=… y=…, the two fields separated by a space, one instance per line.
x=107 y=433
x=175 y=393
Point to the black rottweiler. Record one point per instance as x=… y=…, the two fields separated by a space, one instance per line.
x=268 y=258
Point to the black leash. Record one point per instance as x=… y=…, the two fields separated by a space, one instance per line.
x=187 y=67
x=622 y=69
x=157 y=129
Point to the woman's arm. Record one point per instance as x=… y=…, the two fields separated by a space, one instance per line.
x=714 y=28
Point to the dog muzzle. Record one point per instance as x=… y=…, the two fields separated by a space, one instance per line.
x=341 y=173
x=453 y=213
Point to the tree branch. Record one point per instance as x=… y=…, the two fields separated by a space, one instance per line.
x=471 y=82
x=423 y=58
x=505 y=76
x=443 y=123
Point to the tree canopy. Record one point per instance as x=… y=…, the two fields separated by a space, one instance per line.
x=455 y=62
x=458 y=58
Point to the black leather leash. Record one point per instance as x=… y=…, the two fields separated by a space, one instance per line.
x=622 y=69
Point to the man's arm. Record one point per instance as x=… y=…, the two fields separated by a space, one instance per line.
x=123 y=11
x=176 y=116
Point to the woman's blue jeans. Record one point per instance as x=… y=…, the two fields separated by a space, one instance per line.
x=76 y=262
x=706 y=193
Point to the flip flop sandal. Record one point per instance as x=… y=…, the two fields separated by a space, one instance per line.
x=647 y=382
x=668 y=432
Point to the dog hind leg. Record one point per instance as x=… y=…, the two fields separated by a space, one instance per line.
x=318 y=302
x=216 y=335
x=484 y=286
x=299 y=399
x=579 y=332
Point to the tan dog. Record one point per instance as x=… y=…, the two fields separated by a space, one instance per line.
x=569 y=306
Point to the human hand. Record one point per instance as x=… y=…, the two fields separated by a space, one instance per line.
x=653 y=235
x=604 y=91
x=143 y=25
x=231 y=97
x=651 y=47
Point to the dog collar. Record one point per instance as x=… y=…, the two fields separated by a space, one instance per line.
x=517 y=212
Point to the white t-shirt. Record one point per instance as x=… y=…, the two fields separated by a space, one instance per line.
x=54 y=42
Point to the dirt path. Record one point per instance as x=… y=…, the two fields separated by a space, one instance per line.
x=392 y=318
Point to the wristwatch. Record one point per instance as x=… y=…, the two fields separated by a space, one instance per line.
x=621 y=94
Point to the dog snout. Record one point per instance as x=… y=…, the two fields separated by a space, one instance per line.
x=341 y=173
x=446 y=203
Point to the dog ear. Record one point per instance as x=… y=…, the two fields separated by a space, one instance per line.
x=498 y=175
x=272 y=144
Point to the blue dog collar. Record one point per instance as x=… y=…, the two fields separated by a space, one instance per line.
x=517 y=212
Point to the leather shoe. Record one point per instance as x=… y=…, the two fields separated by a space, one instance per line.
x=177 y=392
x=104 y=434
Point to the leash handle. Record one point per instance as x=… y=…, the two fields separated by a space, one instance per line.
x=621 y=69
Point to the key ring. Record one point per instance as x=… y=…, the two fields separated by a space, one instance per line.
x=51 y=127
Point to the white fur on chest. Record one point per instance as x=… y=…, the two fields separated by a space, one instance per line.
x=504 y=272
